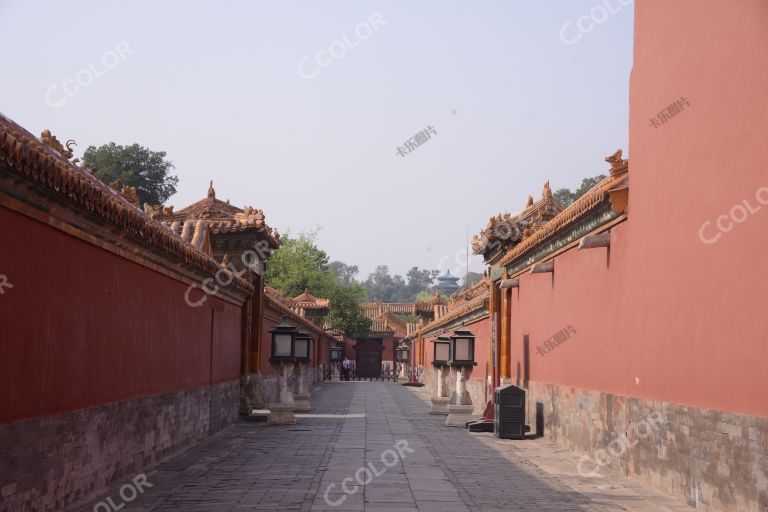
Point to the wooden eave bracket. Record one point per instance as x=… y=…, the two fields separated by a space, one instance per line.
x=509 y=283
x=541 y=268
x=619 y=197
x=598 y=240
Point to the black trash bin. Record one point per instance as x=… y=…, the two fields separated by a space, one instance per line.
x=509 y=412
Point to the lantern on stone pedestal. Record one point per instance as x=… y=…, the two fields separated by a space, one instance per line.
x=441 y=351
x=282 y=342
x=462 y=347
x=462 y=357
x=302 y=348
x=335 y=355
x=283 y=339
x=441 y=358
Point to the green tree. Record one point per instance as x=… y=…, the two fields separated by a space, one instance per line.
x=346 y=312
x=418 y=281
x=383 y=286
x=566 y=196
x=388 y=288
x=471 y=278
x=424 y=295
x=135 y=166
x=299 y=264
x=344 y=274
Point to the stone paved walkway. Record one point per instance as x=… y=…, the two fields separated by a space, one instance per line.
x=380 y=434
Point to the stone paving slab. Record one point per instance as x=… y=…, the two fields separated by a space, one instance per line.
x=371 y=446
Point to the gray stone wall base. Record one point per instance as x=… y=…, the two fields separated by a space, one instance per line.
x=717 y=461
x=51 y=462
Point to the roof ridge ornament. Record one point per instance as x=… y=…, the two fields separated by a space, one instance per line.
x=547 y=192
x=211 y=191
x=529 y=203
x=50 y=140
x=618 y=165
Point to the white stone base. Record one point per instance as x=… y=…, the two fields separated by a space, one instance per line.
x=335 y=378
x=459 y=415
x=281 y=414
x=439 y=405
x=301 y=402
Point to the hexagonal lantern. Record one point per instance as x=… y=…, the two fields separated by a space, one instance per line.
x=462 y=347
x=442 y=351
x=282 y=342
x=335 y=353
x=402 y=354
x=302 y=346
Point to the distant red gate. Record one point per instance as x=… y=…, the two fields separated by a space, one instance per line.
x=368 y=363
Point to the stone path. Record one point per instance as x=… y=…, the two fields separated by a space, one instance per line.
x=378 y=434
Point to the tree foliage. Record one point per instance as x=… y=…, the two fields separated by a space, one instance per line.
x=470 y=278
x=346 y=314
x=344 y=274
x=135 y=166
x=300 y=265
x=566 y=196
x=388 y=288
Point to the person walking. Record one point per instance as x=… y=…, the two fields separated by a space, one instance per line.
x=346 y=365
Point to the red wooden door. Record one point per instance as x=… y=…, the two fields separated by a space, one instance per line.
x=368 y=363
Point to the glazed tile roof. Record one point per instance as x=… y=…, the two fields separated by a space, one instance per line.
x=220 y=216
x=505 y=229
x=389 y=323
x=274 y=300
x=462 y=304
x=47 y=164
x=376 y=308
x=308 y=301
x=596 y=197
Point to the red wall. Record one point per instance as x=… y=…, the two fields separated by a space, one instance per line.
x=271 y=319
x=83 y=327
x=674 y=318
x=482 y=330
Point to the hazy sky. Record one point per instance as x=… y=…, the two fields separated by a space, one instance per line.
x=233 y=92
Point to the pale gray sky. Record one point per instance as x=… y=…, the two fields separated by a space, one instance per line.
x=517 y=91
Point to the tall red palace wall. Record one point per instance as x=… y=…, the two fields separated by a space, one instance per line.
x=105 y=369
x=675 y=322
x=84 y=327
